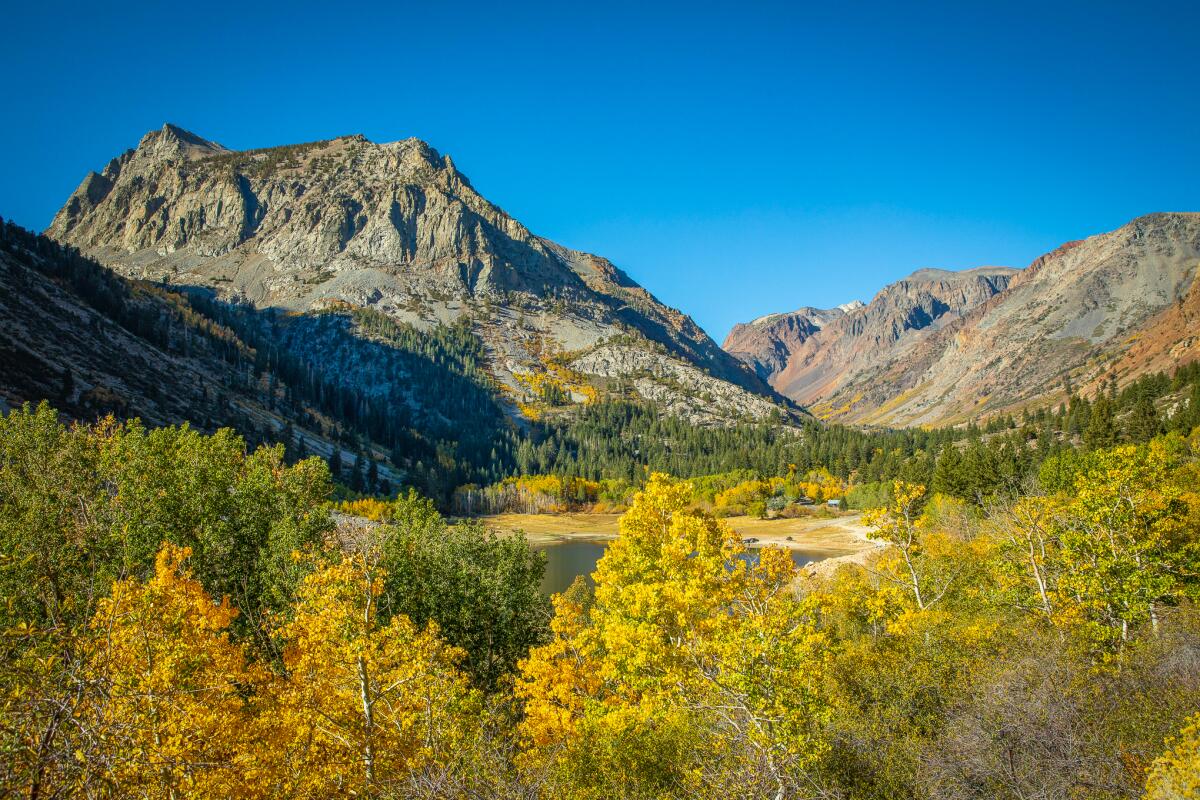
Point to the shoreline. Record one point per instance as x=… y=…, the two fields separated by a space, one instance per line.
x=833 y=540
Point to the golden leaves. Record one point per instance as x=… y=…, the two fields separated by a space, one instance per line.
x=168 y=692
x=168 y=705
x=685 y=639
x=366 y=700
x=1176 y=773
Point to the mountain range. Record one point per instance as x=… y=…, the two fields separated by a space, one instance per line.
x=364 y=295
x=943 y=347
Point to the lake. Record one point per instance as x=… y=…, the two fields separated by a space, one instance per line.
x=567 y=560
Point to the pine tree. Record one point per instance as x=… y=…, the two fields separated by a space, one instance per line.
x=68 y=385
x=1143 y=423
x=357 y=479
x=1101 y=431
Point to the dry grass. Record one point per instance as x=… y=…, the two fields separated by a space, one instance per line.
x=550 y=528
x=830 y=537
x=840 y=536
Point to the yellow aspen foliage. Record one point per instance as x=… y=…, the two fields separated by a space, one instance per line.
x=762 y=669
x=1027 y=572
x=368 y=507
x=367 y=700
x=530 y=411
x=739 y=496
x=899 y=524
x=558 y=683
x=935 y=576
x=855 y=604
x=168 y=691
x=693 y=664
x=1125 y=543
x=665 y=577
x=821 y=484
x=1176 y=773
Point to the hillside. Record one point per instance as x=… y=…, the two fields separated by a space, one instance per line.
x=385 y=403
x=337 y=384
x=396 y=228
x=944 y=347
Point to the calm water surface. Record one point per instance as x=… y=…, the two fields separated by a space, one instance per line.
x=566 y=560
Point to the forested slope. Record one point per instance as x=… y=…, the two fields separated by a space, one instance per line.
x=185 y=619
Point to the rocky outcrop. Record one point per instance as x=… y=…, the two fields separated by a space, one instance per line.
x=395 y=227
x=679 y=389
x=943 y=347
x=279 y=223
x=1073 y=313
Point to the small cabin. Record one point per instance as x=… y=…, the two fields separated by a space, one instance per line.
x=834 y=503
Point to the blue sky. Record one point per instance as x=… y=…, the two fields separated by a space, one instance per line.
x=736 y=159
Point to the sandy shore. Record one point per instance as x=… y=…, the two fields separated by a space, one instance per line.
x=835 y=539
x=555 y=528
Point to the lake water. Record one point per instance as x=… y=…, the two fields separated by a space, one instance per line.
x=566 y=560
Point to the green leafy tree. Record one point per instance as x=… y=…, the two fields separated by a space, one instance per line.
x=483 y=590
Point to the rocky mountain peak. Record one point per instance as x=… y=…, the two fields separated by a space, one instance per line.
x=171 y=141
x=393 y=226
x=766 y=343
x=931 y=297
x=806 y=353
x=311 y=210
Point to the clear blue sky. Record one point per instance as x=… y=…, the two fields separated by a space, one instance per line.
x=736 y=159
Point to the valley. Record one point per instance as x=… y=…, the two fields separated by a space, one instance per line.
x=321 y=464
x=367 y=431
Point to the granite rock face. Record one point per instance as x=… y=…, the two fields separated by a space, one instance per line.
x=678 y=388
x=395 y=227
